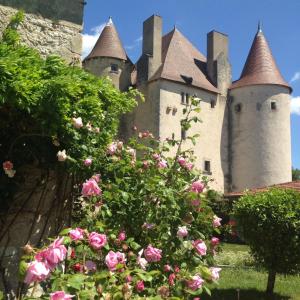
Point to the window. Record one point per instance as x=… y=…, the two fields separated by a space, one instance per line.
x=187 y=99
x=207 y=166
x=114 y=68
x=238 y=108
x=183 y=134
x=212 y=103
x=182 y=98
x=173 y=136
x=273 y=105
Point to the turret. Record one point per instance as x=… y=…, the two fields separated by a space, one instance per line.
x=260 y=142
x=108 y=58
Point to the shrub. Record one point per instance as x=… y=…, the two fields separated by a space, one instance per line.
x=269 y=223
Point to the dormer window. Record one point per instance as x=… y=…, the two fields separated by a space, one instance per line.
x=238 y=108
x=114 y=68
x=273 y=105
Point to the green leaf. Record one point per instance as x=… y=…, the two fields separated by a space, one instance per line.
x=76 y=281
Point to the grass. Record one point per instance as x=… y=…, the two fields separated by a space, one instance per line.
x=240 y=280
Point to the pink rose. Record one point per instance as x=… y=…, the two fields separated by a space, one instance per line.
x=87 y=162
x=128 y=278
x=171 y=279
x=112 y=259
x=145 y=164
x=181 y=161
x=37 y=271
x=216 y=221
x=195 y=283
x=156 y=156
x=54 y=254
x=215 y=241
x=152 y=254
x=162 y=164
x=189 y=166
x=140 y=286
x=7 y=165
x=112 y=148
x=195 y=202
x=200 y=247
x=122 y=236
x=60 y=295
x=97 y=240
x=77 y=122
x=182 y=231
x=197 y=186
x=90 y=188
x=167 y=268
x=76 y=234
x=96 y=177
x=142 y=262
x=215 y=273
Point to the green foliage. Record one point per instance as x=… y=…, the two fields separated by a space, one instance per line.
x=295 y=174
x=269 y=223
x=10 y=35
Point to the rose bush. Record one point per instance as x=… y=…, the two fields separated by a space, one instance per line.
x=143 y=227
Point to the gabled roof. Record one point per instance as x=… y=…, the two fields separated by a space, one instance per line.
x=181 y=62
x=260 y=66
x=108 y=44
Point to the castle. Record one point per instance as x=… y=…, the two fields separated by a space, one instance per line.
x=245 y=137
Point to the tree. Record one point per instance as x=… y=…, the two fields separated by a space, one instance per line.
x=295 y=174
x=269 y=223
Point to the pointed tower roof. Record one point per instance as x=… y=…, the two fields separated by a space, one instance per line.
x=182 y=62
x=108 y=44
x=260 y=66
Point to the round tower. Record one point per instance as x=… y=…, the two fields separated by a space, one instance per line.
x=108 y=58
x=259 y=122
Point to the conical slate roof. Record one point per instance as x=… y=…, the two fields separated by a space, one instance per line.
x=260 y=66
x=108 y=44
x=182 y=62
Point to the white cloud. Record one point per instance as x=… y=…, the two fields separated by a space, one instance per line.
x=295 y=77
x=295 y=105
x=89 y=40
x=135 y=43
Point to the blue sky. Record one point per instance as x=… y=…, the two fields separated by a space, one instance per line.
x=194 y=18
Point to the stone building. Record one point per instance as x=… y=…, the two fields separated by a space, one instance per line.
x=245 y=134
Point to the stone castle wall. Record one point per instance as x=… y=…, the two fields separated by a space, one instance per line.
x=50 y=27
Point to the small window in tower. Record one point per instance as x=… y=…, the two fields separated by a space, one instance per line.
x=187 y=99
x=114 y=68
x=183 y=134
x=173 y=136
x=182 y=98
x=207 y=168
x=212 y=103
x=238 y=108
x=273 y=105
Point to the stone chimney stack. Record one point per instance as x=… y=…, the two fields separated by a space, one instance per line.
x=150 y=60
x=218 y=66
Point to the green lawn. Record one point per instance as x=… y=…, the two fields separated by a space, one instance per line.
x=241 y=281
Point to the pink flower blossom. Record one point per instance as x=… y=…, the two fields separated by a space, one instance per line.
x=171 y=279
x=152 y=254
x=90 y=188
x=216 y=221
x=197 y=186
x=122 y=236
x=162 y=164
x=195 y=202
x=215 y=273
x=131 y=152
x=140 y=286
x=76 y=234
x=167 y=268
x=145 y=164
x=142 y=262
x=200 y=247
x=54 y=254
x=112 y=148
x=113 y=259
x=90 y=266
x=195 y=283
x=128 y=278
x=97 y=240
x=61 y=155
x=156 y=156
x=60 y=295
x=181 y=160
x=77 y=122
x=37 y=271
x=189 y=166
x=215 y=241
x=7 y=165
x=96 y=177
x=87 y=162
x=182 y=231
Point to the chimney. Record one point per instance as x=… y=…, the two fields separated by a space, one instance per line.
x=218 y=66
x=150 y=60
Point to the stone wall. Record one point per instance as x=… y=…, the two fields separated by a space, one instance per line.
x=50 y=27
